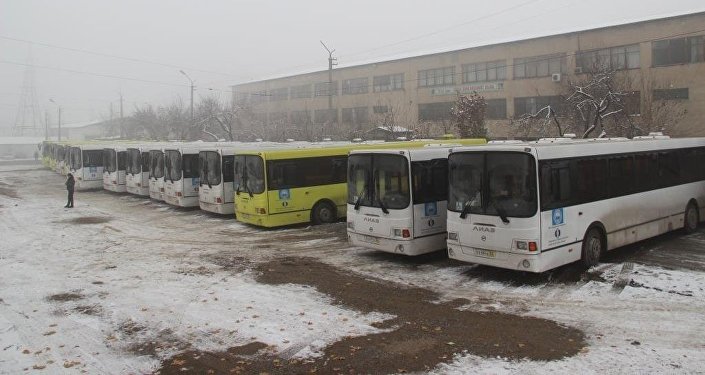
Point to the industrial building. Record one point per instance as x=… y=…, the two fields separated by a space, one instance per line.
x=662 y=61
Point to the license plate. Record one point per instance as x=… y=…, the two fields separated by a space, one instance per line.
x=370 y=239
x=485 y=253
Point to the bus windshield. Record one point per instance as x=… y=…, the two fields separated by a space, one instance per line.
x=493 y=183
x=172 y=165
x=134 y=161
x=209 y=168
x=110 y=160
x=378 y=180
x=248 y=174
x=75 y=158
x=156 y=169
x=92 y=158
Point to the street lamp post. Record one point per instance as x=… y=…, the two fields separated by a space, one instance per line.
x=192 y=87
x=59 y=118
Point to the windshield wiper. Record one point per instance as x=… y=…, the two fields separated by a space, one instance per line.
x=357 y=203
x=502 y=213
x=249 y=191
x=381 y=205
x=466 y=210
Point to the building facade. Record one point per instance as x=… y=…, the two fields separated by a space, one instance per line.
x=660 y=62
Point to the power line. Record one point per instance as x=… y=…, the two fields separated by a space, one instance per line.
x=114 y=56
x=91 y=74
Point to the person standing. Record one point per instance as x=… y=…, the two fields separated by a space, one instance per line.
x=70 y=183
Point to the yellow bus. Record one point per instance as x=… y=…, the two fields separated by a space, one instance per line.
x=291 y=186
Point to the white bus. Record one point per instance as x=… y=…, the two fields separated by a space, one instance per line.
x=181 y=174
x=540 y=205
x=114 y=160
x=61 y=151
x=216 y=167
x=156 y=173
x=86 y=165
x=137 y=170
x=397 y=199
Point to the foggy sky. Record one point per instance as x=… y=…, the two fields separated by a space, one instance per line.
x=220 y=43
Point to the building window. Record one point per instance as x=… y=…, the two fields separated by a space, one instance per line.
x=496 y=109
x=355 y=86
x=437 y=77
x=259 y=96
x=485 y=71
x=539 y=66
x=380 y=109
x=279 y=94
x=300 y=117
x=435 y=111
x=326 y=89
x=678 y=51
x=671 y=94
x=615 y=58
x=533 y=104
x=390 y=82
x=355 y=116
x=325 y=116
x=300 y=92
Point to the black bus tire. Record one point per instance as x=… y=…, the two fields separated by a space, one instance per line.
x=692 y=217
x=323 y=213
x=593 y=247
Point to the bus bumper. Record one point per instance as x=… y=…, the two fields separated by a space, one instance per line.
x=218 y=208
x=115 y=188
x=501 y=259
x=88 y=184
x=138 y=190
x=181 y=201
x=410 y=247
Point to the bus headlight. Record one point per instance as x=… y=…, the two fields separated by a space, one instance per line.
x=453 y=236
x=522 y=245
x=526 y=245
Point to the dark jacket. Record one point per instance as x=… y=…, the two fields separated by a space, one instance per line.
x=70 y=182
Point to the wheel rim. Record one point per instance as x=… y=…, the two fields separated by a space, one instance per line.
x=594 y=248
x=691 y=218
x=325 y=214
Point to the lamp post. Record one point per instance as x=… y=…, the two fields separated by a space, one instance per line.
x=190 y=80
x=59 y=118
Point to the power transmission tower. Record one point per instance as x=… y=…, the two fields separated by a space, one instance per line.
x=28 y=119
x=331 y=62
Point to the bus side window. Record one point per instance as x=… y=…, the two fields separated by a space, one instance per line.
x=556 y=189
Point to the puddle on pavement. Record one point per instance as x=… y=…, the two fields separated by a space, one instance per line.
x=87 y=220
x=422 y=335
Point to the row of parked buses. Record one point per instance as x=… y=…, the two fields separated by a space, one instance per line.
x=530 y=206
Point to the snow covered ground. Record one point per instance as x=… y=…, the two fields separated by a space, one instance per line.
x=115 y=285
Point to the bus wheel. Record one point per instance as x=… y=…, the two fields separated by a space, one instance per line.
x=323 y=213
x=593 y=247
x=692 y=217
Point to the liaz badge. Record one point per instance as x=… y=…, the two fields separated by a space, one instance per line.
x=557 y=216
x=431 y=209
x=284 y=194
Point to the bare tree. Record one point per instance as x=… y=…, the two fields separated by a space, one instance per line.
x=469 y=115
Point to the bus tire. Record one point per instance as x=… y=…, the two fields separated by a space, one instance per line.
x=593 y=247
x=323 y=213
x=692 y=218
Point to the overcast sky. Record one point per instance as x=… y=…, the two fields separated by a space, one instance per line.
x=220 y=43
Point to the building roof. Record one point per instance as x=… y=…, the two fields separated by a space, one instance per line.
x=465 y=47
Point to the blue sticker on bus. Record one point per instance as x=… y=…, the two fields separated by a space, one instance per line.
x=557 y=216
x=284 y=194
x=195 y=181
x=431 y=209
x=93 y=169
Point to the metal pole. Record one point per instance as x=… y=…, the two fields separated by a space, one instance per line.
x=192 y=88
x=59 y=123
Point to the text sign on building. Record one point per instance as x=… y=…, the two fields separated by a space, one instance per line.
x=469 y=88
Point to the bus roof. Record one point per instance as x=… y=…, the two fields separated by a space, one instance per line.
x=587 y=147
x=317 y=150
